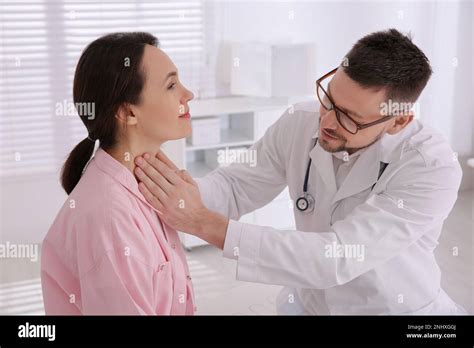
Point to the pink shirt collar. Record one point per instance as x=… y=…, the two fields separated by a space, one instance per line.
x=119 y=172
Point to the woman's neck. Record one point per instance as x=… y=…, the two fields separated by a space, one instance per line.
x=126 y=153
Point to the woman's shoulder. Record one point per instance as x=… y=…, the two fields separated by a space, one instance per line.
x=98 y=189
x=99 y=216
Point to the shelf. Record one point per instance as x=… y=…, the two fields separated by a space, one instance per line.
x=229 y=137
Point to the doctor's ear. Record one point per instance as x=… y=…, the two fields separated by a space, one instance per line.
x=400 y=123
x=126 y=115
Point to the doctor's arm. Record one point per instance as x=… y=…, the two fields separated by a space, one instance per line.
x=415 y=200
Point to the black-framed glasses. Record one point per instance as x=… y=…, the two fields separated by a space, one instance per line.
x=347 y=122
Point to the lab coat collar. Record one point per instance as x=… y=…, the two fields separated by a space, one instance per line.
x=321 y=160
x=365 y=171
x=390 y=149
x=363 y=174
x=120 y=173
x=342 y=154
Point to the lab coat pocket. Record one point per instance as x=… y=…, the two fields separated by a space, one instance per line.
x=163 y=288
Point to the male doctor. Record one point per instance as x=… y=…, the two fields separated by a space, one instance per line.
x=371 y=186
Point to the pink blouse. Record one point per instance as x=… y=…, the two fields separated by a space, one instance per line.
x=107 y=251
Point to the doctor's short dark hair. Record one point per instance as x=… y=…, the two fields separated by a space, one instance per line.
x=389 y=59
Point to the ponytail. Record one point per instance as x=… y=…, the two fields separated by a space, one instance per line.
x=102 y=83
x=75 y=164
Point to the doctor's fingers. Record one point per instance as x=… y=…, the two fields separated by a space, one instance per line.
x=186 y=177
x=158 y=165
x=183 y=174
x=151 y=198
x=153 y=180
x=161 y=155
x=155 y=175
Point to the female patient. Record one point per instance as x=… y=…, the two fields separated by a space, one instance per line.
x=107 y=251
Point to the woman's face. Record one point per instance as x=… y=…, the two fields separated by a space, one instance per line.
x=163 y=112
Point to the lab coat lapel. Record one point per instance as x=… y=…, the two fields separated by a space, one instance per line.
x=363 y=174
x=321 y=160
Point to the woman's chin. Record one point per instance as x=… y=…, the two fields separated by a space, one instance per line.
x=187 y=131
x=183 y=133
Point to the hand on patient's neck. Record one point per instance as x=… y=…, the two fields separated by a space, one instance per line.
x=125 y=153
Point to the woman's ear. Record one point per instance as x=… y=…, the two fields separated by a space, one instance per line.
x=131 y=119
x=126 y=116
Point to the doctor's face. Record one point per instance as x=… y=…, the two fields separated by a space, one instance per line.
x=163 y=112
x=361 y=104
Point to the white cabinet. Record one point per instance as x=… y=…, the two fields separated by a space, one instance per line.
x=243 y=120
x=269 y=70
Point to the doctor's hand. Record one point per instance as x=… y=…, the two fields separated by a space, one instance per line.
x=176 y=196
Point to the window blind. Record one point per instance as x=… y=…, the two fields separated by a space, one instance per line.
x=41 y=42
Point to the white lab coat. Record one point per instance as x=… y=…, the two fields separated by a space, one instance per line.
x=398 y=223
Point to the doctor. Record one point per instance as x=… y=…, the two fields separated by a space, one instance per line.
x=372 y=187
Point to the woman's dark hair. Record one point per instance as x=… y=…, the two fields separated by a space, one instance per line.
x=108 y=74
x=388 y=59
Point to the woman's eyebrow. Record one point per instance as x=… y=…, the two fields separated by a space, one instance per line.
x=340 y=107
x=170 y=74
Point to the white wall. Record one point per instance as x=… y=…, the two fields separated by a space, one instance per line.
x=443 y=30
x=28 y=206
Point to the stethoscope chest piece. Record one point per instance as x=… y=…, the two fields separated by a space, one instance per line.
x=305 y=203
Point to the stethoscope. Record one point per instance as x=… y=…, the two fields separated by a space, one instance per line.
x=305 y=203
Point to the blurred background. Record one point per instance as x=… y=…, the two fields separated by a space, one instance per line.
x=246 y=62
